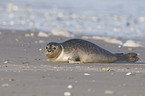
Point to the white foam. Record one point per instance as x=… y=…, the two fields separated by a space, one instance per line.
x=131 y=43
x=106 y=39
x=62 y=32
x=113 y=41
x=42 y=34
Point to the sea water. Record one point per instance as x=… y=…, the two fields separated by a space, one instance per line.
x=122 y=19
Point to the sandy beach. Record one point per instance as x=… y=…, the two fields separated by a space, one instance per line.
x=25 y=71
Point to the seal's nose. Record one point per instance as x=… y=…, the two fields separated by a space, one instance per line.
x=49 y=50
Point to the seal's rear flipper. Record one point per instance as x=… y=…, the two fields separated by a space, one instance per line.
x=130 y=57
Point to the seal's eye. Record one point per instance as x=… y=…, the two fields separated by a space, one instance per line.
x=54 y=48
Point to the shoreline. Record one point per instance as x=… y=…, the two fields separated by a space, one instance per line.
x=25 y=70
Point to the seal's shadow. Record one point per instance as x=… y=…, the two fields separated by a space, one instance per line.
x=121 y=62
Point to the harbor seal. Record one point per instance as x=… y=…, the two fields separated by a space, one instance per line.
x=83 y=51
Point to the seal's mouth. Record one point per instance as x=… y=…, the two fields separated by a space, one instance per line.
x=49 y=50
x=49 y=54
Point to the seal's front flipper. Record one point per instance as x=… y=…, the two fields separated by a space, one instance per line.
x=73 y=61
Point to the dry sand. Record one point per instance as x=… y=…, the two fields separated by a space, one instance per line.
x=25 y=71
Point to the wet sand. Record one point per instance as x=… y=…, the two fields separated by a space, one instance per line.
x=25 y=71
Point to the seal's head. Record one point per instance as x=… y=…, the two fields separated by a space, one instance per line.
x=53 y=50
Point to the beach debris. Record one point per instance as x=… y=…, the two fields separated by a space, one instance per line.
x=11 y=79
x=42 y=34
x=86 y=74
x=89 y=90
x=69 y=86
x=124 y=84
x=6 y=61
x=29 y=35
x=17 y=39
x=130 y=49
x=67 y=94
x=41 y=41
x=142 y=19
x=13 y=31
x=5 y=85
x=131 y=43
x=109 y=92
x=119 y=46
x=106 y=69
x=62 y=32
x=36 y=42
x=40 y=49
x=129 y=73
